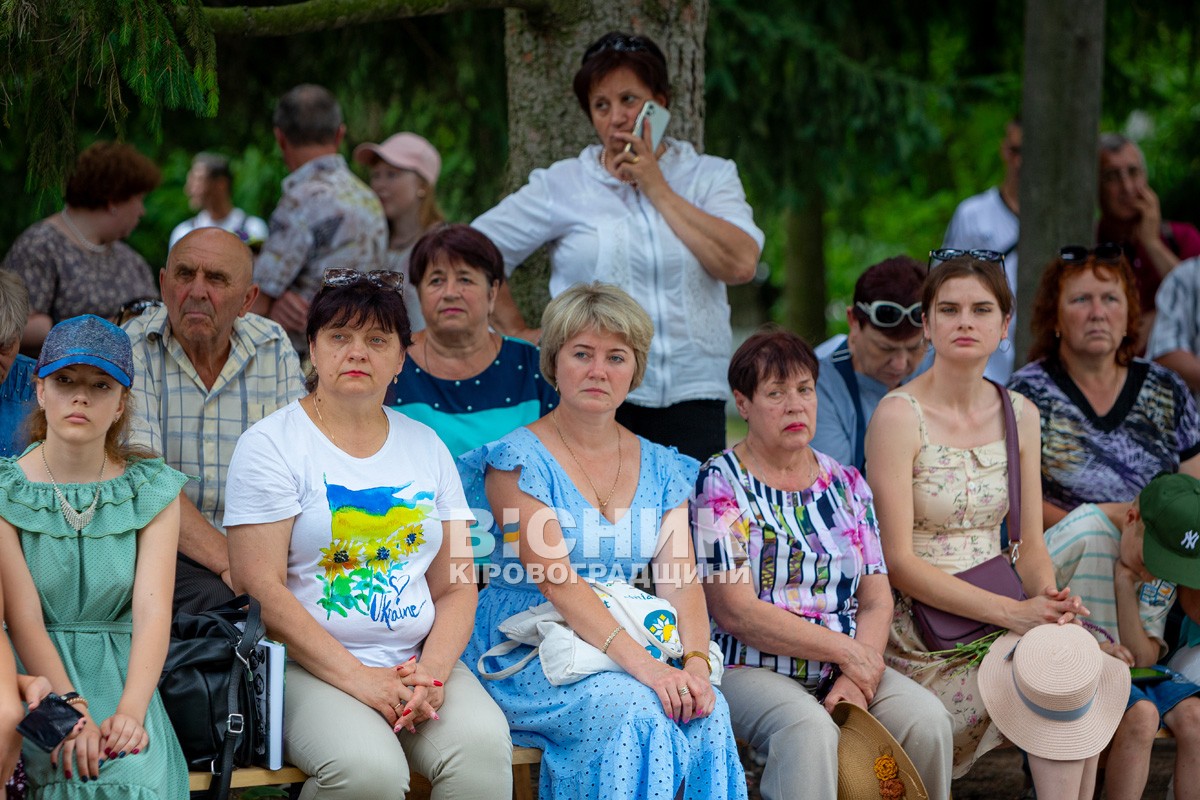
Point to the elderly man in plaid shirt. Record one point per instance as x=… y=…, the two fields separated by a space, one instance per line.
x=205 y=371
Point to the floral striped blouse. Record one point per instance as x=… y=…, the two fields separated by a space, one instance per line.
x=806 y=551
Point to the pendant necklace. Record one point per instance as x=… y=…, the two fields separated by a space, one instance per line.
x=76 y=519
x=602 y=503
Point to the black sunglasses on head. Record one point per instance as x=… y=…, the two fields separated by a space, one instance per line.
x=382 y=278
x=947 y=253
x=1075 y=253
x=620 y=43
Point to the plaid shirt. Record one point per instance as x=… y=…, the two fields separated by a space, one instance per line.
x=194 y=428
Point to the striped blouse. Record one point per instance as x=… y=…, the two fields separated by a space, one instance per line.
x=806 y=551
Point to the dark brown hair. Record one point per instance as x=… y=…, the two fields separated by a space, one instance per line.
x=898 y=279
x=456 y=242
x=110 y=172
x=615 y=50
x=989 y=273
x=1045 y=306
x=772 y=352
x=356 y=305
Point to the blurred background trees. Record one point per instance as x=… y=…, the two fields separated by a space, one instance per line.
x=857 y=126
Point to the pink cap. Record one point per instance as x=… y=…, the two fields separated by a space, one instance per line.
x=404 y=151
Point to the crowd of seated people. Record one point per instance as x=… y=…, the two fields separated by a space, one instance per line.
x=329 y=455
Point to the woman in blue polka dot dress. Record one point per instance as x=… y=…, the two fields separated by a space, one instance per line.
x=577 y=494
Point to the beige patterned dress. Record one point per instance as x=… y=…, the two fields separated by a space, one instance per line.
x=960 y=497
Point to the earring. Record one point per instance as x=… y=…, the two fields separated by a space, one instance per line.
x=1005 y=345
x=396 y=378
x=1057 y=334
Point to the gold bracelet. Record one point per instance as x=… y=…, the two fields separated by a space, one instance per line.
x=698 y=654
x=608 y=642
x=72 y=698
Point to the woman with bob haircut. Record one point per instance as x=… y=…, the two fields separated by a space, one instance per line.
x=938 y=466
x=794 y=576
x=74 y=262
x=464 y=380
x=669 y=226
x=347 y=521
x=590 y=497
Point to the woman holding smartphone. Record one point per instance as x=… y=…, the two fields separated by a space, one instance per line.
x=670 y=226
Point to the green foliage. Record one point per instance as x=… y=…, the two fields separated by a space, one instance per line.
x=66 y=57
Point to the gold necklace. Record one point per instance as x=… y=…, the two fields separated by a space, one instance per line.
x=328 y=430
x=76 y=519
x=812 y=468
x=425 y=357
x=602 y=503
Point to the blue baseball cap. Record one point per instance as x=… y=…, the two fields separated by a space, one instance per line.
x=87 y=339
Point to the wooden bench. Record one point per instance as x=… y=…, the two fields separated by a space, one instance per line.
x=246 y=777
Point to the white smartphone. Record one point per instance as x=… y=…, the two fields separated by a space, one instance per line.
x=656 y=117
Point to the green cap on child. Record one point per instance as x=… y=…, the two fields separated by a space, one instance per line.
x=1170 y=508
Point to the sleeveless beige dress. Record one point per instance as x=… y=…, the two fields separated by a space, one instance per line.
x=960 y=497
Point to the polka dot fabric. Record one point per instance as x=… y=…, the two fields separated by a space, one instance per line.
x=85 y=587
x=605 y=736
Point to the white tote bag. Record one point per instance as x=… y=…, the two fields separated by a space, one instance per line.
x=566 y=658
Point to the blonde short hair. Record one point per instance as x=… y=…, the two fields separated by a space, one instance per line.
x=604 y=307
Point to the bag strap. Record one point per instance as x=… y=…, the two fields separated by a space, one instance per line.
x=1012 y=447
x=845 y=367
x=504 y=648
x=235 y=724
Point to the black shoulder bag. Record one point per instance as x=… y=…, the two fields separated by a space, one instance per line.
x=207 y=687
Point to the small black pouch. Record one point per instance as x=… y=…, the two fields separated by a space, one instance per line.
x=49 y=723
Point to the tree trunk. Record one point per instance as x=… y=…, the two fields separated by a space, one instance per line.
x=804 y=267
x=545 y=122
x=1064 y=64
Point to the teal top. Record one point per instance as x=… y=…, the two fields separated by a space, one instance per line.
x=84 y=583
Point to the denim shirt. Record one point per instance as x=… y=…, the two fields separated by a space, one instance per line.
x=17 y=400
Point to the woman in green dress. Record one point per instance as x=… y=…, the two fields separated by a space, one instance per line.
x=90 y=528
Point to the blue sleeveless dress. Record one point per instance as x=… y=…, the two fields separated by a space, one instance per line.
x=605 y=736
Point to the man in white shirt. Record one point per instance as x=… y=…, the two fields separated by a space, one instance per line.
x=209 y=189
x=991 y=221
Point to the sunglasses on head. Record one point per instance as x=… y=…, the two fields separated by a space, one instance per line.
x=886 y=314
x=946 y=253
x=620 y=42
x=382 y=278
x=1075 y=253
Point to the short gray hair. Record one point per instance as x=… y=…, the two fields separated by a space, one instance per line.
x=602 y=306
x=308 y=114
x=1112 y=142
x=14 y=306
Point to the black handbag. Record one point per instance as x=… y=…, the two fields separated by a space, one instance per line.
x=207 y=686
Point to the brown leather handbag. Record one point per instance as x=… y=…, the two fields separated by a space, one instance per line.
x=942 y=630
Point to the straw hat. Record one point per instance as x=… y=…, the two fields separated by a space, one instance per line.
x=1053 y=693
x=864 y=748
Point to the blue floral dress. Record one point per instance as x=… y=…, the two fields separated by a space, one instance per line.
x=605 y=736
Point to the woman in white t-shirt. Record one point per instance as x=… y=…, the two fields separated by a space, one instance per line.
x=347 y=521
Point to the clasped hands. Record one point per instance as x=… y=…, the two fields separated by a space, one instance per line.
x=405 y=695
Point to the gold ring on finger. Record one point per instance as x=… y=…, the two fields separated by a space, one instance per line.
x=684 y=691
x=635 y=159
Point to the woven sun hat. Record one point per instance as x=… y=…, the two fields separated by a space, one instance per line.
x=1053 y=693
x=87 y=339
x=404 y=151
x=871 y=763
